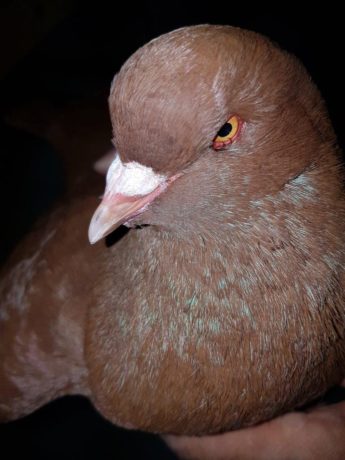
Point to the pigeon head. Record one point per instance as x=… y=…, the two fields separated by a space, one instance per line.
x=207 y=120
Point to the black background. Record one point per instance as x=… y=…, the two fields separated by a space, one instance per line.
x=77 y=57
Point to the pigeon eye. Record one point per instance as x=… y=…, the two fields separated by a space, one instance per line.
x=227 y=133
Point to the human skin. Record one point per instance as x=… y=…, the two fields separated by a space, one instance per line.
x=318 y=433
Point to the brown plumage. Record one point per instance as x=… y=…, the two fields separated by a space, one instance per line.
x=227 y=307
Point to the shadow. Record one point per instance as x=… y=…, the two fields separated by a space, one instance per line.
x=116 y=236
x=71 y=429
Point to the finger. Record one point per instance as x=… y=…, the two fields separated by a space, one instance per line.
x=102 y=164
x=312 y=436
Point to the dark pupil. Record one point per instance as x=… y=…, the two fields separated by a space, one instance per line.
x=225 y=130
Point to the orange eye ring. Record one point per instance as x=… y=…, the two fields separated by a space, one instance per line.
x=227 y=133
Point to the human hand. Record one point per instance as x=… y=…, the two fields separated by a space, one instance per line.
x=316 y=434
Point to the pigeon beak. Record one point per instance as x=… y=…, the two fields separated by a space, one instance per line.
x=130 y=188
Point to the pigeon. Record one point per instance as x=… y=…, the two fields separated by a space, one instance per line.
x=223 y=305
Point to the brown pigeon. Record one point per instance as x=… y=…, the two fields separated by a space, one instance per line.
x=224 y=304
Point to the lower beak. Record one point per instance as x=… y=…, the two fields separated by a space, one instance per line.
x=117 y=209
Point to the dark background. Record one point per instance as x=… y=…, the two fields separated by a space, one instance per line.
x=65 y=53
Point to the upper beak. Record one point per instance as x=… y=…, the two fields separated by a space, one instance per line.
x=130 y=188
